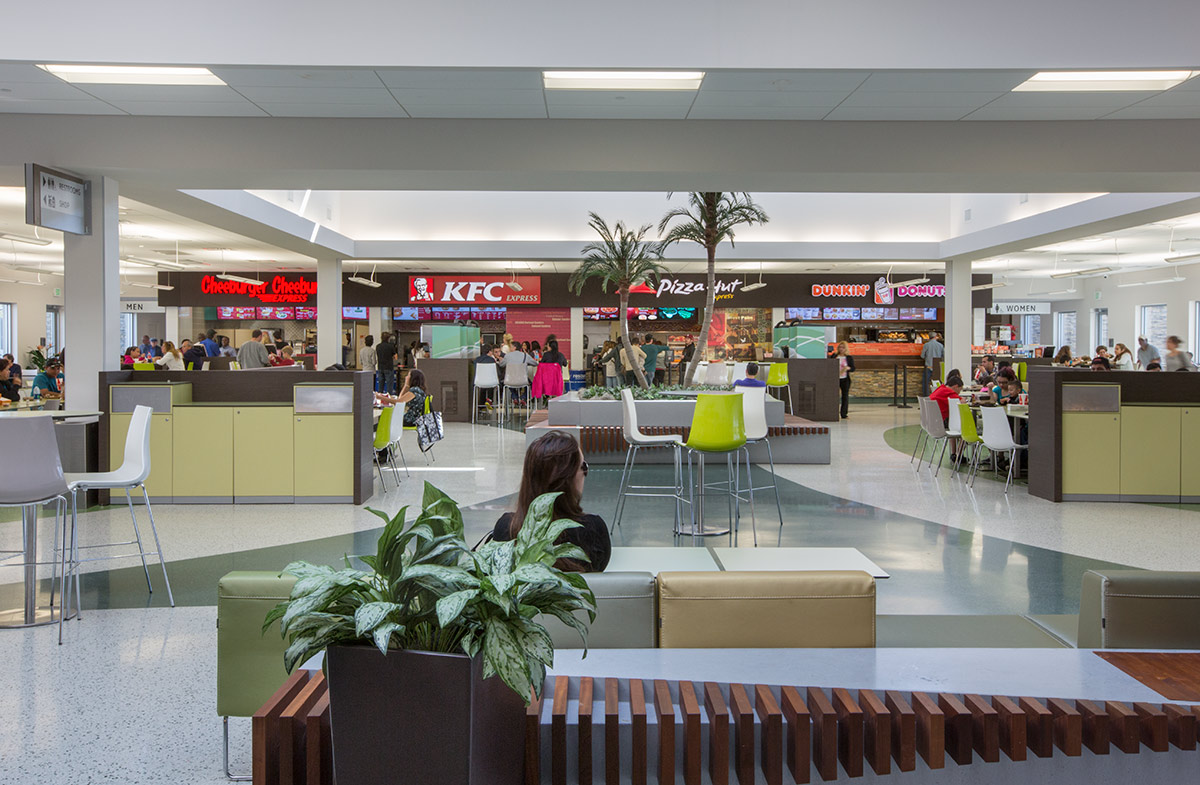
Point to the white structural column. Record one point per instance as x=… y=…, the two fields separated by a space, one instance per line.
x=959 y=324
x=577 y=351
x=92 y=299
x=329 y=312
x=374 y=327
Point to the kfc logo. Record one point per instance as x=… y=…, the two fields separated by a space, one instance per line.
x=483 y=290
x=419 y=293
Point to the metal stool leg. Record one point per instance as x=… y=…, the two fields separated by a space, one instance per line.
x=162 y=562
x=774 y=481
x=225 y=748
x=138 y=536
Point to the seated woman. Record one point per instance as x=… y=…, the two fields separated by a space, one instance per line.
x=554 y=463
x=413 y=395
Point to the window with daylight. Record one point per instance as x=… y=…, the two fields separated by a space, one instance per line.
x=8 y=329
x=129 y=336
x=1100 y=326
x=53 y=330
x=1031 y=329
x=1152 y=323
x=1064 y=329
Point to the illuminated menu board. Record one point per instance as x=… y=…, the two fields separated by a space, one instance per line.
x=919 y=314
x=306 y=312
x=802 y=313
x=841 y=314
x=451 y=314
x=354 y=312
x=276 y=312
x=880 y=313
x=236 y=312
x=493 y=314
x=411 y=314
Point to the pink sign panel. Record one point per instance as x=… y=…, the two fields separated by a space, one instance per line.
x=535 y=324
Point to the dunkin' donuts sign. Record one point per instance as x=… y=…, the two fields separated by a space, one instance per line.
x=474 y=290
x=884 y=293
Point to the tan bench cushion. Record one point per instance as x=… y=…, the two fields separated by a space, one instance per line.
x=1136 y=609
x=766 y=609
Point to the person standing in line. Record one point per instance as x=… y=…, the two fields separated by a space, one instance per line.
x=385 y=364
x=609 y=356
x=1147 y=354
x=652 y=350
x=366 y=358
x=1122 y=358
x=931 y=351
x=660 y=363
x=211 y=347
x=845 y=368
x=253 y=354
x=1177 y=359
x=639 y=356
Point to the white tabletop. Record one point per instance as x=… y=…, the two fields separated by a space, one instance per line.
x=656 y=560
x=57 y=414
x=747 y=559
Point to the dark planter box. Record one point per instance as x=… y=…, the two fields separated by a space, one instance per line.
x=421 y=718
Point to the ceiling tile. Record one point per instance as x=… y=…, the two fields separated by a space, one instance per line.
x=241 y=108
x=994 y=112
x=324 y=95
x=953 y=81
x=1144 y=112
x=58 y=107
x=26 y=72
x=461 y=78
x=1174 y=98
x=769 y=98
x=905 y=99
x=429 y=97
x=41 y=91
x=332 y=110
x=757 y=112
x=782 y=81
x=896 y=113
x=1074 y=100
x=672 y=98
x=249 y=76
x=476 y=110
x=1191 y=84
x=176 y=93
x=618 y=112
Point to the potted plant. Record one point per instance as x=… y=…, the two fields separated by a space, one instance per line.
x=434 y=650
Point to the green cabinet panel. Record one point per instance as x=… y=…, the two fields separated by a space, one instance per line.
x=1189 y=451
x=1150 y=450
x=203 y=451
x=262 y=451
x=1091 y=453
x=324 y=455
x=159 y=483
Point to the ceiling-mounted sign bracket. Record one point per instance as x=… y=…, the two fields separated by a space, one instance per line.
x=57 y=200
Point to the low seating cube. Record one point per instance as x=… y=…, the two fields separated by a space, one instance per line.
x=626 y=614
x=1139 y=609
x=809 y=609
x=249 y=662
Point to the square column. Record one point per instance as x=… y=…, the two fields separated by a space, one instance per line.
x=959 y=324
x=329 y=312
x=92 y=299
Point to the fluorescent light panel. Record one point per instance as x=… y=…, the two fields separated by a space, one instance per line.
x=1176 y=279
x=750 y=287
x=622 y=80
x=983 y=286
x=20 y=238
x=133 y=74
x=240 y=279
x=160 y=287
x=1077 y=273
x=911 y=282
x=1102 y=81
x=1178 y=258
x=358 y=279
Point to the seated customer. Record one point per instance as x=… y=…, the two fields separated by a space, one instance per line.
x=194 y=355
x=10 y=389
x=413 y=397
x=751 y=379
x=1100 y=364
x=554 y=463
x=46 y=382
x=942 y=396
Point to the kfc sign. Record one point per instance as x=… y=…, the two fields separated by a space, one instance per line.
x=278 y=290
x=474 y=290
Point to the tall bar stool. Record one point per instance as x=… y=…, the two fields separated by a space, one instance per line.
x=395 y=434
x=516 y=378
x=486 y=378
x=777 y=378
x=33 y=477
x=383 y=434
x=754 y=414
x=636 y=440
x=718 y=428
x=132 y=474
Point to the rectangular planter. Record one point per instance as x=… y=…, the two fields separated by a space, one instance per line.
x=421 y=718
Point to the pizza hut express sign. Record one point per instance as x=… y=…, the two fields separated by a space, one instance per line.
x=474 y=290
x=676 y=287
x=278 y=290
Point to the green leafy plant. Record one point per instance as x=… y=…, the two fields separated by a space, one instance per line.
x=37 y=359
x=426 y=590
x=596 y=392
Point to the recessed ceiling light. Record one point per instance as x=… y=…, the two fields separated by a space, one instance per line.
x=1104 y=81
x=133 y=74
x=622 y=80
x=20 y=238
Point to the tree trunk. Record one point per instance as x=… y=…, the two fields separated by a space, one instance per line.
x=710 y=289
x=633 y=363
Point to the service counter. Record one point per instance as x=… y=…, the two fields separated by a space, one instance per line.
x=246 y=436
x=1125 y=436
x=449 y=382
x=814 y=388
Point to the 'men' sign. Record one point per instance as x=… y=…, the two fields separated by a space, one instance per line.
x=477 y=290
x=278 y=290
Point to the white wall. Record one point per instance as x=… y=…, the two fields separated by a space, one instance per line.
x=30 y=302
x=988 y=210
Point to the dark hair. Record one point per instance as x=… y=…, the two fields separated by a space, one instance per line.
x=1154 y=365
x=200 y=336
x=1007 y=374
x=256 y=333
x=369 y=340
x=551 y=463
x=488 y=348
x=1063 y=356
x=537 y=347
x=1101 y=348
x=1102 y=361
x=416 y=379
x=751 y=369
x=550 y=345
x=987 y=357
x=4 y=363
x=985 y=380
x=211 y=332
x=1004 y=364
x=954 y=380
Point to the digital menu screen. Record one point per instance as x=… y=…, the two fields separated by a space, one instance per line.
x=273 y=312
x=682 y=314
x=306 y=312
x=643 y=314
x=354 y=312
x=492 y=314
x=802 y=313
x=237 y=312
x=451 y=314
x=880 y=313
x=919 y=314
x=410 y=314
x=841 y=314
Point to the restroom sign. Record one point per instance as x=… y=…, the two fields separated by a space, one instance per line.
x=1018 y=309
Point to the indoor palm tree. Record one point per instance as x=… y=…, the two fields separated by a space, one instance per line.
x=621 y=258
x=708 y=218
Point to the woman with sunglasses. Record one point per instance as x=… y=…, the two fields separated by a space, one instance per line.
x=554 y=463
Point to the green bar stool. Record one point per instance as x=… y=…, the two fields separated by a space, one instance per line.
x=969 y=433
x=718 y=428
x=777 y=377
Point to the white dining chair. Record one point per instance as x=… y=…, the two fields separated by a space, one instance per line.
x=998 y=438
x=716 y=374
x=754 y=414
x=635 y=441
x=953 y=431
x=923 y=434
x=487 y=377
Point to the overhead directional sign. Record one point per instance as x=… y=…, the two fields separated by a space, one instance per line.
x=1016 y=309
x=57 y=200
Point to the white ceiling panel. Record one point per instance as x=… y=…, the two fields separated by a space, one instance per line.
x=1173 y=98
x=187 y=108
x=758 y=112
x=952 y=81
x=58 y=107
x=41 y=91
x=896 y=113
x=177 y=93
x=932 y=98
x=462 y=78
x=770 y=98
x=501 y=111
x=618 y=112
x=994 y=112
x=238 y=76
x=1191 y=84
x=1075 y=100
x=1144 y=112
x=332 y=110
x=807 y=81
x=675 y=98
x=464 y=97
x=324 y=95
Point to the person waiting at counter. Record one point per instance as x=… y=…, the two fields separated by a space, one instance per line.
x=1147 y=353
x=253 y=354
x=931 y=351
x=1122 y=358
x=751 y=379
x=555 y=464
x=609 y=357
x=366 y=356
x=48 y=383
x=689 y=351
x=10 y=389
x=987 y=367
x=211 y=347
x=284 y=358
x=1100 y=364
x=845 y=368
x=194 y=356
x=639 y=356
x=172 y=359
x=1177 y=359
x=385 y=363
x=651 y=350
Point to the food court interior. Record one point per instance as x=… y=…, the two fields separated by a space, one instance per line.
x=923 y=175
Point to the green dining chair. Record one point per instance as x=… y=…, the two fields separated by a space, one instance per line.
x=143 y=366
x=383 y=438
x=1022 y=369
x=969 y=434
x=718 y=428
x=777 y=378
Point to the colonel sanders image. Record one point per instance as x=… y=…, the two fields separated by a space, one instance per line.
x=420 y=292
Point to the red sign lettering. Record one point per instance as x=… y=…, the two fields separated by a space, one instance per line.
x=474 y=290
x=278 y=290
